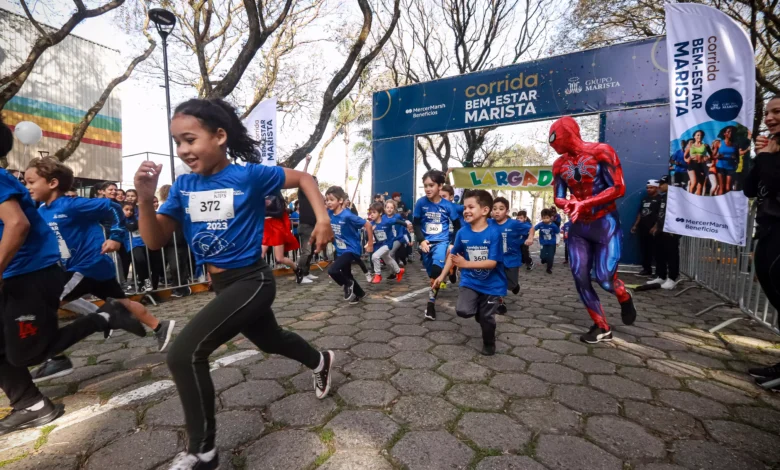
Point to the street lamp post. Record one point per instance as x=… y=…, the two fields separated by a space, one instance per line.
x=165 y=21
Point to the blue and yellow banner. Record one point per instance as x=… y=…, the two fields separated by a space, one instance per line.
x=514 y=178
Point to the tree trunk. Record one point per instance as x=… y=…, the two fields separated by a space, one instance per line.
x=322 y=150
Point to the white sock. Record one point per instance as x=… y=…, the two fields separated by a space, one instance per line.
x=208 y=456
x=36 y=406
x=104 y=315
x=322 y=364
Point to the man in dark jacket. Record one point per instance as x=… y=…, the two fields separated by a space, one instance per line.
x=306 y=224
x=645 y=221
x=667 y=244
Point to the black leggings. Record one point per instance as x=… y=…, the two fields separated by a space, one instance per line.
x=767 y=259
x=144 y=265
x=341 y=270
x=242 y=305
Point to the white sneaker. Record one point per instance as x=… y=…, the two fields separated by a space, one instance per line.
x=311 y=277
x=369 y=277
x=306 y=280
x=669 y=284
x=657 y=280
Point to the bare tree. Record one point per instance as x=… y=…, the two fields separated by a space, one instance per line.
x=49 y=37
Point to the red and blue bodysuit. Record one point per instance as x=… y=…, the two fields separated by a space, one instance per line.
x=591 y=173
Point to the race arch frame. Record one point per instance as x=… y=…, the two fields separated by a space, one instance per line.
x=626 y=84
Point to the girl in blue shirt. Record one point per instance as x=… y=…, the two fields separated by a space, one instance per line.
x=346 y=228
x=384 y=221
x=221 y=207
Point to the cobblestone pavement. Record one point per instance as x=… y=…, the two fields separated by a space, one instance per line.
x=665 y=395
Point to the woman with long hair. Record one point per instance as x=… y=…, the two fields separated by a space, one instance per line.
x=728 y=156
x=696 y=155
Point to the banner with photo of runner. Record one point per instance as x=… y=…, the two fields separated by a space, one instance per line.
x=516 y=178
x=712 y=103
x=261 y=125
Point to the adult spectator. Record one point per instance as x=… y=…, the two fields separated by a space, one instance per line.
x=402 y=210
x=645 y=221
x=177 y=255
x=109 y=191
x=667 y=251
x=306 y=222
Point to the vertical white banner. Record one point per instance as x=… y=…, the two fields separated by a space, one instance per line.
x=261 y=124
x=712 y=103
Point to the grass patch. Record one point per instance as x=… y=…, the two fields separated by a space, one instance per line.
x=238 y=461
x=326 y=436
x=92 y=361
x=397 y=436
x=44 y=437
x=274 y=426
x=19 y=457
x=530 y=448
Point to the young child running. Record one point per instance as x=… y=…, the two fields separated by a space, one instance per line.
x=547 y=232
x=527 y=231
x=512 y=238
x=31 y=282
x=76 y=223
x=383 y=225
x=478 y=253
x=448 y=193
x=346 y=227
x=565 y=232
x=221 y=207
x=432 y=217
x=400 y=235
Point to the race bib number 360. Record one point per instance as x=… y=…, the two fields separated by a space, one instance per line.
x=208 y=206
x=477 y=253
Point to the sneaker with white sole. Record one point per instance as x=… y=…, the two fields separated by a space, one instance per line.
x=369 y=277
x=185 y=461
x=26 y=418
x=322 y=378
x=311 y=277
x=765 y=372
x=349 y=291
x=596 y=335
x=58 y=366
x=669 y=284
x=163 y=335
x=657 y=280
x=306 y=280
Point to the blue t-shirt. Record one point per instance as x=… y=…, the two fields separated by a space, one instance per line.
x=386 y=230
x=223 y=215
x=525 y=228
x=294 y=220
x=728 y=157
x=480 y=246
x=565 y=229
x=39 y=249
x=399 y=232
x=547 y=233
x=133 y=237
x=435 y=218
x=346 y=231
x=513 y=235
x=678 y=160
x=76 y=222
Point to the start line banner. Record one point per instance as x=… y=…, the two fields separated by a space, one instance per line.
x=515 y=178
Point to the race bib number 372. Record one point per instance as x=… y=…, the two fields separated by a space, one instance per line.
x=208 y=206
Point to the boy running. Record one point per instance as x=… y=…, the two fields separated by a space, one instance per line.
x=513 y=234
x=547 y=232
x=527 y=232
x=383 y=226
x=346 y=230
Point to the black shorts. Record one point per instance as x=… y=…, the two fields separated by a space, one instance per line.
x=78 y=285
x=699 y=168
x=512 y=277
x=727 y=172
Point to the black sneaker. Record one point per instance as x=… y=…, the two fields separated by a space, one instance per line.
x=596 y=335
x=58 y=366
x=628 y=311
x=349 y=291
x=765 y=372
x=163 y=335
x=516 y=290
x=356 y=298
x=298 y=275
x=502 y=309
x=453 y=278
x=530 y=266
x=488 y=349
x=185 y=461
x=549 y=270
x=769 y=383
x=181 y=292
x=120 y=318
x=645 y=272
x=322 y=378
x=430 y=311
x=23 y=419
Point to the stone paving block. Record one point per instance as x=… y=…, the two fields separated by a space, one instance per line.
x=660 y=466
x=111 y=382
x=252 y=394
x=446 y=337
x=564 y=347
x=367 y=393
x=143 y=450
x=340 y=330
x=167 y=413
x=415 y=319
x=344 y=320
x=476 y=397
x=711 y=456
x=92 y=434
x=411 y=343
x=374 y=325
x=374 y=336
x=664 y=344
x=722 y=393
x=413 y=382
x=375 y=315
x=409 y=330
x=371 y=369
x=695 y=405
x=356 y=460
x=585 y=399
x=237 y=427
x=545 y=333
x=432 y=450
x=574 y=453
x=81 y=374
x=284 y=450
x=226 y=377
x=509 y=462
x=423 y=412
x=618 y=357
x=520 y=385
x=86 y=349
x=589 y=365
x=273 y=368
x=741 y=437
x=555 y=373
x=535 y=354
x=494 y=431
x=546 y=416
x=620 y=387
x=624 y=438
x=650 y=378
x=304 y=382
x=46 y=461
x=301 y=409
x=634 y=330
x=697 y=359
x=335 y=342
x=362 y=429
x=451 y=352
x=667 y=421
x=442 y=326
x=373 y=350
x=415 y=360
x=502 y=363
x=464 y=371
x=676 y=369
x=764 y=418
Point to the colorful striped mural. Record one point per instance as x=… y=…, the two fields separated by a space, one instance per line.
x=58 y=121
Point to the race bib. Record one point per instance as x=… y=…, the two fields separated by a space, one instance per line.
x=340 y=244
x=207 y=206
x=380 y=235
x=432 y=229
x=64 y=250
x=477 y=253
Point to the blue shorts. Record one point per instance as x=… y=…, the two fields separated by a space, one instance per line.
x=436 y=256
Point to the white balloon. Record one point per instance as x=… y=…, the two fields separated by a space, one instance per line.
x=28 y=133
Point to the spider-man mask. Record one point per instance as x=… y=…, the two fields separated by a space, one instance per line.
x=565 y=136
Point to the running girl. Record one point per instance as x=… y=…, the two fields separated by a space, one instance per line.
x=346 y=227
x=696 y=156
x=221 y=207
x=383 y=226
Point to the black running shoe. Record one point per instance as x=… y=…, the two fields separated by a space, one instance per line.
x=645 y=272
x=516 y=290
x=596 y=335
x=488 y=349
x=628 y=311
x=767 y=383
x=181 y=292
x=120 y=318
x=322 y=378
x=530 y=266
x=502 y=309
x=549 y=270
x=58 y=366
x=349 y=291
x=298 y=275
x=185 y=461
x=356 y=299
x=430 y=311
x=765 y=372
x=163 y=335
x=453 y=278
x=23 y=419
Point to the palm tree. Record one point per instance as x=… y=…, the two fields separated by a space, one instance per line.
x=362 y=153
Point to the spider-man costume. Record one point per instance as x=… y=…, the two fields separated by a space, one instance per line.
x=592 y=174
